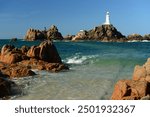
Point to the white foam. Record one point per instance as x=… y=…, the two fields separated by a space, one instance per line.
x=145 y=41
x=79 y=59
x=76 y=60
x=139 y=41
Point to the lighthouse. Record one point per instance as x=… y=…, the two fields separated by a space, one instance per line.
x=107 y=22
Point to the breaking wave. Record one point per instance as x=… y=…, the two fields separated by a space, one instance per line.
x=80 y=59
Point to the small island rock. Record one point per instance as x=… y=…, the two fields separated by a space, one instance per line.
x=50 y=34
x=54 y=34
x=134 y=37
x=106 y=33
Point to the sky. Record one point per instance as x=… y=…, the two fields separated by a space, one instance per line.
x=70 y=16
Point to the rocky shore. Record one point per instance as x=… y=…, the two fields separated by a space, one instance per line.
x=137 y=88
x=19 y=62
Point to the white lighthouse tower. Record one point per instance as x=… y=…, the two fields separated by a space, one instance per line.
x=107 y=22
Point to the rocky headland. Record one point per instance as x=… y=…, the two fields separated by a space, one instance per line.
x=137 y=88
x=19 y=62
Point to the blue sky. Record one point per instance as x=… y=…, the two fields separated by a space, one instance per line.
x=70 y=16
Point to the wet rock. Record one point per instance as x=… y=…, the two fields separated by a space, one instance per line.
x=8 y=88
x=5 y=88
x=43 y=65
x=130 y=90
x=16 y=71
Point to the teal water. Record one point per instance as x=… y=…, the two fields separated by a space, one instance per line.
x=94 y=69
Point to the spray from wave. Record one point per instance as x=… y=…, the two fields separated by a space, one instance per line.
x=80 y=59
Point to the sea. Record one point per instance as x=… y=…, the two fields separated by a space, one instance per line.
x=94 y=68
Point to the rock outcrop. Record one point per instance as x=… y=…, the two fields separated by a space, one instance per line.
x=5 y=88
x=137 y=88
x=142 y=73
x=146 y=37
x=16 y=70
x=10 y=54
x=18 y=62
x=13 y=40
x=130 y=90
x=52 y=33
x=134 y=37
x=82 y=35
x=43 y=65
x=106 y=33
x=46 y=51
x=33 y=34
x=8 y=88
x=69 y=37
